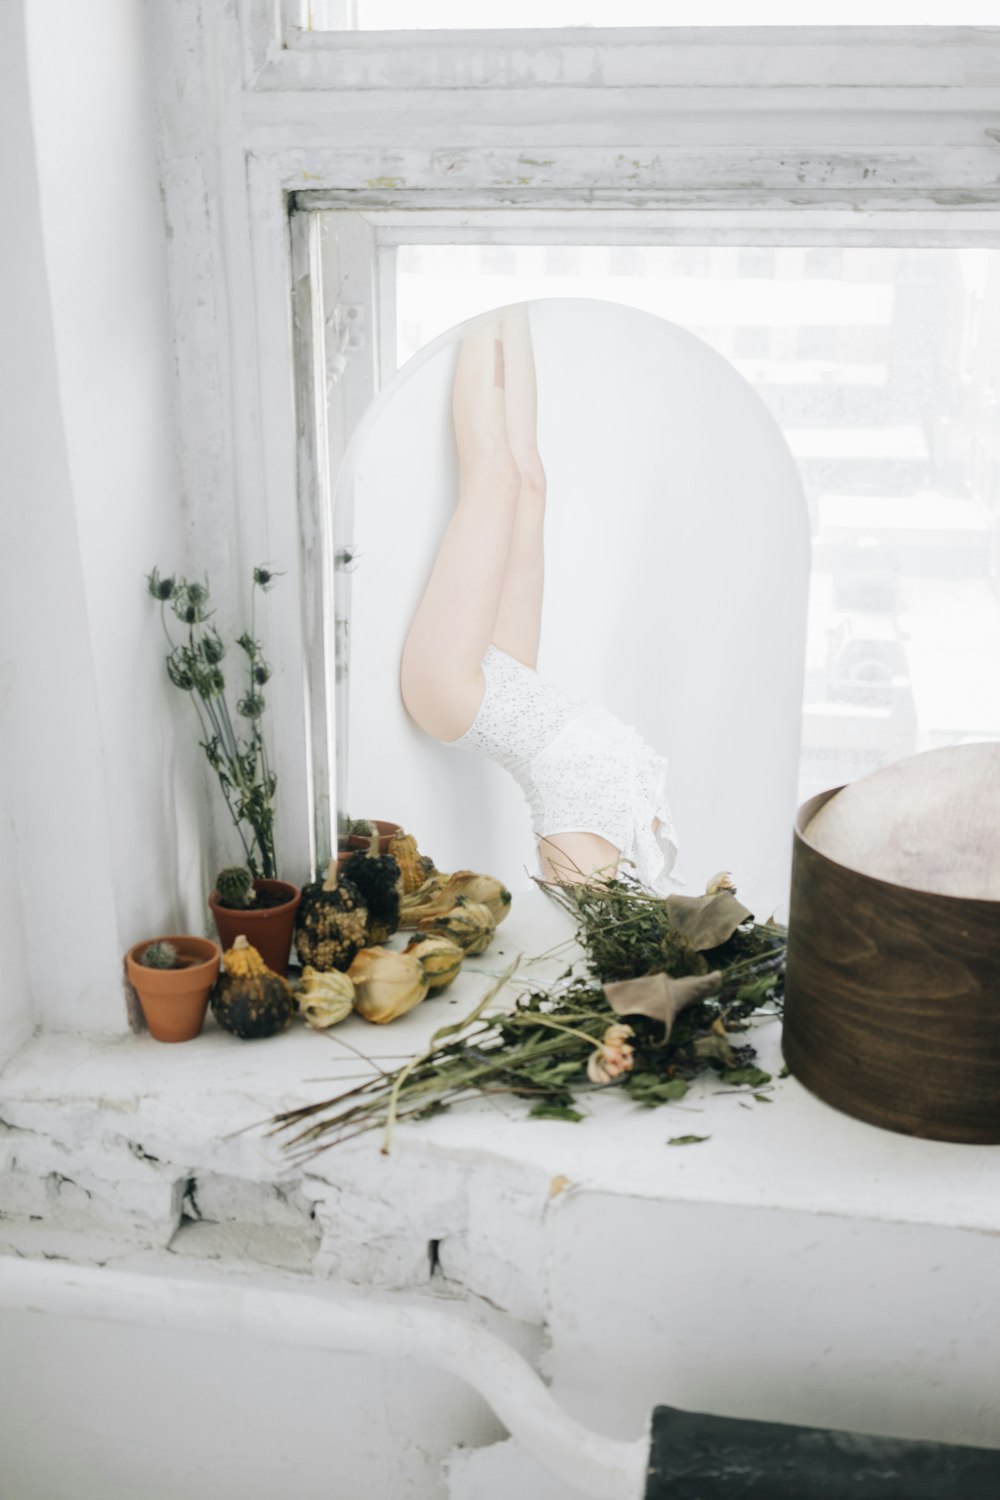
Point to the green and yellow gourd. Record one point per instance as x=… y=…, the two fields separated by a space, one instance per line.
x=331 y=923
x=440 y=958
x=470 y=924
x=440 y=893
x=249 y=999
x=324 y=998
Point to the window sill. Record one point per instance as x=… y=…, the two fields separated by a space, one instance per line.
x=790 y=1216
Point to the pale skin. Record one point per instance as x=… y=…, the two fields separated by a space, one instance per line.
x=487 y=579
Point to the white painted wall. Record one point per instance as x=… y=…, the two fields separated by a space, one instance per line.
x=104 y=844
x=19 y=285
x=676 y=573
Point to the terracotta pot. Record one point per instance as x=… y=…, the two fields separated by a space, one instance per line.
x=385 y=832
x=174 y=1001
x=269 y=931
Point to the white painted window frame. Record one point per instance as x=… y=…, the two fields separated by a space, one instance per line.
x=716 y=136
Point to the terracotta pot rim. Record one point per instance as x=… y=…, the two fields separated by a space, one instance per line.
x=210 y=949
x=265 y=882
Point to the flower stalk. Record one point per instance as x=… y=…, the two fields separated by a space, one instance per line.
x=194 y=665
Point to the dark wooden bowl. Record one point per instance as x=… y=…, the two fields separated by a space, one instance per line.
x=892 y=1009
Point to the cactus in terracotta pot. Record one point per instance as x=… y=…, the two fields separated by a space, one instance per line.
x=234 y=885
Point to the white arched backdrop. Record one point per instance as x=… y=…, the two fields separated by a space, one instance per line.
x=677 y=563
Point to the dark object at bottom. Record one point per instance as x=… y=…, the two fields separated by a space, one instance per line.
x=698 y=1457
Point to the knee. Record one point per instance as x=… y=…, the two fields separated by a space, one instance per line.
x=490 y=464
x=531 y=478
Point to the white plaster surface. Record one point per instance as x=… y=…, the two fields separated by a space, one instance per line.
x=94 y=787
x=215 y=1416
x=797 y=1265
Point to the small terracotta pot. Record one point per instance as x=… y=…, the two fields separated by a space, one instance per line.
x=385 y=832
x=174 y=1001
x=269 y=931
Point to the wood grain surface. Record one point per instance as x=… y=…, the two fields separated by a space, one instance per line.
x=892 y=997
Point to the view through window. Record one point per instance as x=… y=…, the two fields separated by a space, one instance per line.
x=882 y=367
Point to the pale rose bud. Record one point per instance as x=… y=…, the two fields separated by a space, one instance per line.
x=721 y=882
x=616 y=1034
x=605 y=1063
x=596 y=1071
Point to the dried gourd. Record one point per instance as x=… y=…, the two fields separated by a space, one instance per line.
x=249 y=999
x=386 y=983
x=425 y=901
x=440 y=957
x=403 y=848
x=331 y=923
x=324 y=998
x=377 y=877
x=468 y=923
x=440 y=893
x=485 y=889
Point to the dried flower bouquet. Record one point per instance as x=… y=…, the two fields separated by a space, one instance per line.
x=686 y=972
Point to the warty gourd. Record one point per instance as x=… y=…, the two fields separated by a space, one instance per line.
x=331 y=923
x=249 y=999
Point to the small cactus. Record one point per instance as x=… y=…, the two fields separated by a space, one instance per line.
x=235 y=886
x=362 y=826
x=160 y=956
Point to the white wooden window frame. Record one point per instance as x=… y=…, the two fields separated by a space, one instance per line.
x=741 y=136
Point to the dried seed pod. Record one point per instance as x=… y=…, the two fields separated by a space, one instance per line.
x=440 y=957
x=386 y=983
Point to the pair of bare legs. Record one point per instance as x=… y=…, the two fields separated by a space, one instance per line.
x=487 y=580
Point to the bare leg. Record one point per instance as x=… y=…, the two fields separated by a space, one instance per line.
x=519 y=617
x=576 y=858
x=441 y=679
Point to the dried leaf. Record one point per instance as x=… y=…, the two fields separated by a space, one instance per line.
x=687 y=1140
x=706 y=921
x=749 y=1075
x=659 y=996
x=715 y=1048
x=546 y=1110
x=647 y=1089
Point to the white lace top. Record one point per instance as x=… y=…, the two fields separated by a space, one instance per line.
x=581 y=769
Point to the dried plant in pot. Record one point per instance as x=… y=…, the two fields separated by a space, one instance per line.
x=173 y=977
x=262 y=911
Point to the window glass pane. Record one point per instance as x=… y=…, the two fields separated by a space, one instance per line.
x=882 y=367
x=413 y=15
